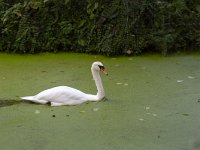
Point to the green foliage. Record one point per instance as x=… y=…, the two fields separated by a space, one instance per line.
x=109 y=27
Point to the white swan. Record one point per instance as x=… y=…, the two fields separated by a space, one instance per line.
x=64 y=95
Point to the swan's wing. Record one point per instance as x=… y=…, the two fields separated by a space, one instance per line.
x=63 y=94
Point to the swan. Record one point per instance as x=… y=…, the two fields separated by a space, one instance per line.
x=64 y=95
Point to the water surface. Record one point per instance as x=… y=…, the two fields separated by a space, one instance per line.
x=153 y=103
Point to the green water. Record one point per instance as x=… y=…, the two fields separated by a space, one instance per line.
x=153 y=103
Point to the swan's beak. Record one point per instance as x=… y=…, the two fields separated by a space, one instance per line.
x=104 y=71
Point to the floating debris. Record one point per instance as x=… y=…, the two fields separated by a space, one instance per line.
x=53 y=115
x=141 y=119
x=147 y=108
x=154 y=115
x=179 y=81
x=119 y=83
x=125 y=84
x=37 y=112
x=82 y=111
x=95 y=109
x=191 y=77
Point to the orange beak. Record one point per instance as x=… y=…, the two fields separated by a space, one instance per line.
x=104 y=71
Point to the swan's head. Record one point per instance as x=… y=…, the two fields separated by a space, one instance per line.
x=98 y=66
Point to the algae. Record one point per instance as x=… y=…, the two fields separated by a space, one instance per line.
x=146 y=108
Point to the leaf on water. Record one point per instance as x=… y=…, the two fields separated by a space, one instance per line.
x=125 y=84
x=179 y=81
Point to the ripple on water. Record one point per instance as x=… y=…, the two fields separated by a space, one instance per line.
x=4 y=103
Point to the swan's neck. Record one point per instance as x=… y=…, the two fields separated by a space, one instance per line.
x=98 y=82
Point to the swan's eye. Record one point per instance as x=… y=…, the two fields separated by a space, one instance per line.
x=101 y=67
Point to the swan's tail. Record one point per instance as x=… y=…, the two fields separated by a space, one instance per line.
x=33 y=99
x=29 y=98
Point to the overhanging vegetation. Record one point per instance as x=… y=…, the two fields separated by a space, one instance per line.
x=109 y=27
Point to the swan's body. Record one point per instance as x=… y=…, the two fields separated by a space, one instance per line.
x=64 y=95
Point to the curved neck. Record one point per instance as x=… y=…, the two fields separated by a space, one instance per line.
x=98 y=82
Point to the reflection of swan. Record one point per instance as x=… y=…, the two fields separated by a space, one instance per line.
x=64 y=95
